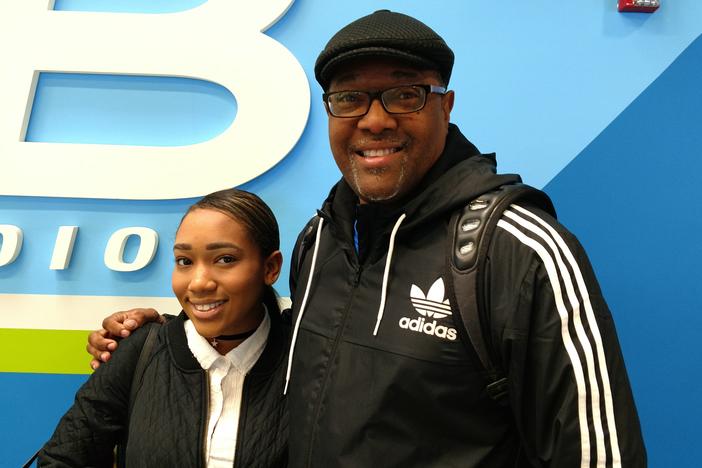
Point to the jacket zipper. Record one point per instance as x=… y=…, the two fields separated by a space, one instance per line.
x=335 y=346
x=356 y=279
x=205 y=419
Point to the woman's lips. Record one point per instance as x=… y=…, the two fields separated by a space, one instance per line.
x=206 y=310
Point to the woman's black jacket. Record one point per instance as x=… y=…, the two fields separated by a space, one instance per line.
x=169 y=415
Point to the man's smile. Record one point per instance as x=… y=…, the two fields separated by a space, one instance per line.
x=375 y=153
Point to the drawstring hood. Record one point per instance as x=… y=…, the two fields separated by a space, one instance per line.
x=293 y=341
x=367 y=233
x=386 y=274
x=383 y=294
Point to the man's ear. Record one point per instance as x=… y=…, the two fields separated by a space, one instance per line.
x=272 y=266
x=447 y=105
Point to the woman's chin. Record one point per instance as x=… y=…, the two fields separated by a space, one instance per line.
x=206 y=330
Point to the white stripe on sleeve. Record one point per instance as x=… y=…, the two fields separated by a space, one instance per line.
x=604 y=374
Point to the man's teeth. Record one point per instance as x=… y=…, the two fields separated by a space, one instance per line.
x=374 y=153
x=206 y=307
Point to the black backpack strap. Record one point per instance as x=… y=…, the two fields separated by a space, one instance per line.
x=303 y=243
x=144 y=356
x=306 y=241
x=470 y=231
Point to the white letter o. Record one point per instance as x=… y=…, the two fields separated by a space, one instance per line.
x=114 y=252
x=11 y=243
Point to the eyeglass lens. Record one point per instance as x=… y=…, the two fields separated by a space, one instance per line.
x=398 y=100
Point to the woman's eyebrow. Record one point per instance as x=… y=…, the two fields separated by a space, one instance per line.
x=211 y=246
x=222 y=245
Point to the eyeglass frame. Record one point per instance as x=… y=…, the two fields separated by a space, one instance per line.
x=378 y=95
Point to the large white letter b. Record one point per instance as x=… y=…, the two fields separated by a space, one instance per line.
x=219 y=41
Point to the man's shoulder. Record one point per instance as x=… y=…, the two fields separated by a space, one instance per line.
x=524 y=221
x=479 y=223
x=527 y=236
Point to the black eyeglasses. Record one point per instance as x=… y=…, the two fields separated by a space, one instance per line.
x=398 y=100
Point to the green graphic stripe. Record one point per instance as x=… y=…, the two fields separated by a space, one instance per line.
x=44 y=351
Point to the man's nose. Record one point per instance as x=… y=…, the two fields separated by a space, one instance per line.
x=377 y=119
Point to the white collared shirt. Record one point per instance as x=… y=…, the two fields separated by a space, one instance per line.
x=226 y=375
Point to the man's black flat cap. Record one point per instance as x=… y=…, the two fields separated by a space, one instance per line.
x=385 y=34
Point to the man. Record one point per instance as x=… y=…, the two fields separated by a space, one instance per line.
x=381 y=373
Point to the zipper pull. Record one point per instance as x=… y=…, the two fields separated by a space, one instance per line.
x=357 y=275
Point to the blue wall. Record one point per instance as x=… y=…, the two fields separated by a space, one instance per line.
x=600 y=108
x=640 y=227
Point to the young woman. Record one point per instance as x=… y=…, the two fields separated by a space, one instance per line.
x=211 y=390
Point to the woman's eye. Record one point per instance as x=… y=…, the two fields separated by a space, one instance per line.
x=180 y=261
x=226 y=259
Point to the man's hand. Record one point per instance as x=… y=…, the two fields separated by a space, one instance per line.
x=101 y=343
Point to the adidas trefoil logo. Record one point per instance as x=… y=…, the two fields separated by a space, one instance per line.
x=434 y=306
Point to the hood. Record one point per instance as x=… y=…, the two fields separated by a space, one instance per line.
x=460 y=174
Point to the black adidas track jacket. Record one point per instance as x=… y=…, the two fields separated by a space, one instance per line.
x=380 y=376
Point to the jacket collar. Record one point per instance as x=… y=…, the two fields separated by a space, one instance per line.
x=273 y=353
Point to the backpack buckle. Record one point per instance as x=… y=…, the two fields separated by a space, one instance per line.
x=498 y=390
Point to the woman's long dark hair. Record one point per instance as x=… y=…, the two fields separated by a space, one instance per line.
x=258 y=221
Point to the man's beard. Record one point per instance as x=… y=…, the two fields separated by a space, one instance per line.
x=356 y=183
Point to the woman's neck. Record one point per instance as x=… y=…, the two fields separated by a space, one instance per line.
x=225 y=342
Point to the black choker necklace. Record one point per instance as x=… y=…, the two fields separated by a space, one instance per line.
x=238 y=336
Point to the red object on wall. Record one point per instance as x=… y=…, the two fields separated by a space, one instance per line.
x=644 y=6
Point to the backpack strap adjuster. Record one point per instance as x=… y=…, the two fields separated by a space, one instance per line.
x=498 y=390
